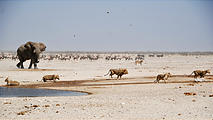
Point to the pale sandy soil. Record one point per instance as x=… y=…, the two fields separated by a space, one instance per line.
x=127 y=98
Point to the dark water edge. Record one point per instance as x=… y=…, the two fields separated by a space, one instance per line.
x=30 y=92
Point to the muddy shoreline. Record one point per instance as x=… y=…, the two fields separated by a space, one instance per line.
x=61 y=85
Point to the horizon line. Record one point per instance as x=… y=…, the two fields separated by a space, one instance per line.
x=84 y=51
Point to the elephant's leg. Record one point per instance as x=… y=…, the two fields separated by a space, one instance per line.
x=35 y=61
x=18 y=65
x=30 y=66
x=22 y=66
x=35 y=66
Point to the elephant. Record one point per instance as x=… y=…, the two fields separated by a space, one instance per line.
x=30 y=51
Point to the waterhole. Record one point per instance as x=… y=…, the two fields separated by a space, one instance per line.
x=30 y=92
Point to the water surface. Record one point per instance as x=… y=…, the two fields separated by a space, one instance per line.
x=30 y=92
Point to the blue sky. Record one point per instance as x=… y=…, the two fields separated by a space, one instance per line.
x=108 y=25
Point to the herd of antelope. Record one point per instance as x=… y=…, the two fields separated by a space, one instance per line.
x=78 y=56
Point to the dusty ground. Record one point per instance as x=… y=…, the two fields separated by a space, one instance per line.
x=135 y=96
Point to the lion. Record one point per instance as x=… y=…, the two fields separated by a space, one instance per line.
x=118 y=72
x=163 y=77
x=11 y=83
x=200 y=73
x=50 y=77
x=138 y=62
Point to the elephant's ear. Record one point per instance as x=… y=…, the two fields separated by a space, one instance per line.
x=34 y=51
